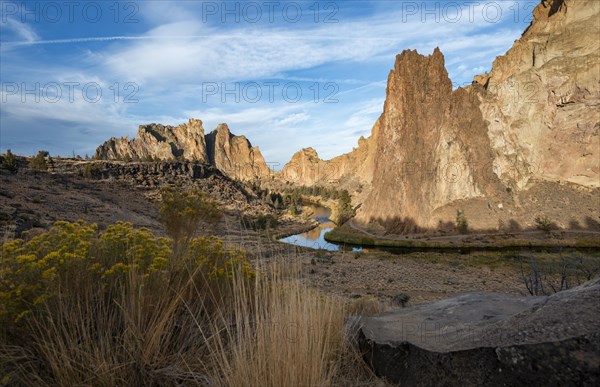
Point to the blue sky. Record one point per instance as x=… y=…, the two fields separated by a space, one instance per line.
x=285 y=74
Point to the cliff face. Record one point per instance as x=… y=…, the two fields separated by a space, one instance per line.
x=431 y=146
x=348 y=170
x=160 y=142
x=542 y=98
x=232 y=155
x=533 y=120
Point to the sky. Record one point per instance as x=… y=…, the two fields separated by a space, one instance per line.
x=286 y=74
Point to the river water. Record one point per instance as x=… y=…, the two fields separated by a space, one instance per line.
x=315 y=238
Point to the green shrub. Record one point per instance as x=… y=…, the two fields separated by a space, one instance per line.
x=462 y=224
x=185 y=211
x=260 y=222
x=109 y=301
x=544 y=223
x=91 y=170
x=343 y=211
x=9 y=162
x=38 y=162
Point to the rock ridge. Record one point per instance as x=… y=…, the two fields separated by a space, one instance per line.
x=233 y=155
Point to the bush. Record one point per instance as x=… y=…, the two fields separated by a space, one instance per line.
x=88 y=305
x=462 y=225
x=79 y=306
x=91 y=170
x=545 y=277
x=261 y=222
x=9 y=162
x=400 y=299
x=185 y=211
x=544 y=223
x=39 y=163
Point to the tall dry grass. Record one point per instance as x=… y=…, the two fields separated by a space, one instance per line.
x=286 y=334
x=268 y=330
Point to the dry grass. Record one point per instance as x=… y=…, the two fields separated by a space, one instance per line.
x=366 y=306
x=288 y=335
x=272 y=330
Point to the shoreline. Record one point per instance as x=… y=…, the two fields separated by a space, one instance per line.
x=346 y=234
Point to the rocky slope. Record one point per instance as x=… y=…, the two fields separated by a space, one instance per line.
x=533 y=119
x=232 y=155
x=104 y=192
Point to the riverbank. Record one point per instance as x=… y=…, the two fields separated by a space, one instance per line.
x=346 y=234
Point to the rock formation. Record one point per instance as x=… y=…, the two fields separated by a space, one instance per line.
x=488 y=339
x=348 y=170
x=534 y=119
x=542 y=98
x=160 y=142
x=232 y=155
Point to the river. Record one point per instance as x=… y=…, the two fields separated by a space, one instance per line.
x=315 y=238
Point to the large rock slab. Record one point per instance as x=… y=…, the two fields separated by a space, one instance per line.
x=489 y=339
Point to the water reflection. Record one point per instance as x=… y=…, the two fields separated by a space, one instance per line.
x=315 y=238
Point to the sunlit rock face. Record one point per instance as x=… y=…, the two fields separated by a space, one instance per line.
x=232 y=155
x=431 y=145
x=533 y=120
x=346 y=171
x=542 y=98
x=159 y=142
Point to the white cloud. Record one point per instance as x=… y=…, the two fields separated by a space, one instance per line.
x=18 y=30
x=294 y=119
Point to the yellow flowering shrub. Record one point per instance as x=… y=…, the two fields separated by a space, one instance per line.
x=71 y=256
x=218 y=262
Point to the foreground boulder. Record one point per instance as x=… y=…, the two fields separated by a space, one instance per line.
x=489 y=339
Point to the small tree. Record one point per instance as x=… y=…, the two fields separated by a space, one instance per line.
x=184 y=212
x=9 y=162
x=461 y=222
x=39 y=162
x=343 y=211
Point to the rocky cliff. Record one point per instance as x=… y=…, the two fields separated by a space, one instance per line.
x=348 y=170
x=542 y=98
x=533 y=120
x=232 y=155
x=155 y=141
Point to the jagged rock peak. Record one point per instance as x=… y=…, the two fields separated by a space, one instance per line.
x=232 y=155
x=527 y=125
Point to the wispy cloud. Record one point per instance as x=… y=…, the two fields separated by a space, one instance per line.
x=18 y=30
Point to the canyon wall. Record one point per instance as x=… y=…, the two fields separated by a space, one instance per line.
x=532 y=121
x=233 y=155
x=542 y=98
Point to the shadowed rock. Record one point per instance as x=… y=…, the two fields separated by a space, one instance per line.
x=489 y=339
